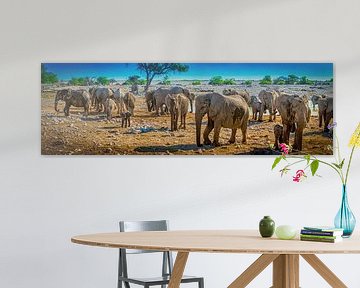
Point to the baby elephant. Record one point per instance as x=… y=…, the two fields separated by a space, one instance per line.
x=278 y=133
x=178 y=106
x=255 y=103
x=125 y=119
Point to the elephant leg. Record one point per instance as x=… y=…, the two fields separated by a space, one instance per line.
x=176 y=120
x=320 y=118
x=298 y=139
x=244 y=132
x=261 y=112
x=270 y=114
x=327 y=121
x=286 y=134
x=233 y=136
x=217 y=128
x=191 y=106
x=208 y=129
x=66 y=109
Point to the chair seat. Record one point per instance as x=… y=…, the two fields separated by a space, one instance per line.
x=158 y=280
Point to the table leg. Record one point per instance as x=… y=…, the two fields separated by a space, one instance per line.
x=178 y=269
x=286 y=271
x=253 y=270
x=324 y=271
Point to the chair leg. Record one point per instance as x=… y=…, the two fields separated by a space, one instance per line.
x=201 y=283
x=127 y=285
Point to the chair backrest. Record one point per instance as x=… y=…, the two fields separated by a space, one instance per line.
x=138 y=226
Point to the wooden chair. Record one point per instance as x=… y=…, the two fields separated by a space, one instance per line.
x=167 y=263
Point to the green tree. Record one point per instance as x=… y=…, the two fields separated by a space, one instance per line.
x=305 y=81
x=216 y=80
x=292 y=79
x=48 y=77
x=196 y=82
x=80 y=81
x=103 y=80
x=248 y=82
x=153 y=70
x=266 y=80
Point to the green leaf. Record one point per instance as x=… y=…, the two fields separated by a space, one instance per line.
x=314 y=167
x=276 y=162
x=342 y=163
x=307 y=158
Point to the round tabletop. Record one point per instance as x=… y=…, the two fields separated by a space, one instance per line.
x=217 y=241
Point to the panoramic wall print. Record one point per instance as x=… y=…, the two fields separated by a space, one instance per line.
x=186 y=108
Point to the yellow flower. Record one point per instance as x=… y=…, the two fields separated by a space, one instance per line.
x=355 y=138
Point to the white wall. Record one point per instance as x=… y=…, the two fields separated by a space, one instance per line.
x=46 y=200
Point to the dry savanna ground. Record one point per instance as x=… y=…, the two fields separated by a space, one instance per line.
x=150 y=134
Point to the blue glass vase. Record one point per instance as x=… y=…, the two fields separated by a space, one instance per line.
x=345 y=219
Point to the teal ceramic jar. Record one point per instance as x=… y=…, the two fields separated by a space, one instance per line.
x=267 y=227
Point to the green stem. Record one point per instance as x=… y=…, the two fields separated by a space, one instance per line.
x=348 y=167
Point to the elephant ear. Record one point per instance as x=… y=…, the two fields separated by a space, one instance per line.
x=68 y=94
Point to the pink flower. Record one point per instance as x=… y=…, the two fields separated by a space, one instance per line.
x=284 y=148
x=300 y=175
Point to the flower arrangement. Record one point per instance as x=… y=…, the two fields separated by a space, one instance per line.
x=312 y=162
x=344 y=219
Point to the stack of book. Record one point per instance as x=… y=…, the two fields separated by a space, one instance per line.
x=321 y=234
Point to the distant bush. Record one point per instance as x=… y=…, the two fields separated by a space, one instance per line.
x=280 y=81
x=165 y=81
x=103 y=80
x=134 y=79
x=196 y=82
x=248 y=82
x=78 y=81
x=218 y=80
x=266 y=80
x=229 y=81
x=305 y=81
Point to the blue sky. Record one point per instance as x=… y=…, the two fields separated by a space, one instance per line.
x=201 y=71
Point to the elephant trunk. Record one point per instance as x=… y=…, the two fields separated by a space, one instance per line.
x=198 y=120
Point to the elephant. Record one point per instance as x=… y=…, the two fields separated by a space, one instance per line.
x=60 y=94
x=77 y=98
x=135 y=89
x=255 y=106
x=110 y=106
x=243 y=93
x=186 y=92
x=278 y=133
x=125 y=119
x=178 y=106
x=295 y=114
x=268 y=99
x=100 y=96
x=129 y=101
x=159 y=97
x=315 y=99
x=325 y=105
x=150 y=100
x=223 y=111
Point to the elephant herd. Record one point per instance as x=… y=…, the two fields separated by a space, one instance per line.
x=227 y=110
x=100 y=99
x=231 y=110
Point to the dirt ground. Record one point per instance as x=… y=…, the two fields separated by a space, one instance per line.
x=150 y=134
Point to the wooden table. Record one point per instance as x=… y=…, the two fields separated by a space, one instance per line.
x=284 y=254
